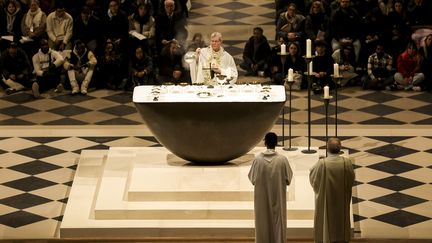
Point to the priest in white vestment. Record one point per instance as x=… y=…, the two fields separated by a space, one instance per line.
x=214 y=61
x=332 y=179
x=270 y=174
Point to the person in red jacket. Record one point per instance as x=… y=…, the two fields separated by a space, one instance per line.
x=409 y=75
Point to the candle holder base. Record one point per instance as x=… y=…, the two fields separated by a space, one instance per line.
x=289 y=149
x=309 y=151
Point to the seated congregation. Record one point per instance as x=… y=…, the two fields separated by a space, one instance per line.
x=84 y=45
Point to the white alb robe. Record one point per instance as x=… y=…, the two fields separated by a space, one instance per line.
x=270 y=174
x=224 y=60
x=332 y=179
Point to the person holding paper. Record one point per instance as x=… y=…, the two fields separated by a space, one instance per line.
x=33 y=27
x=10 y=23
x=345 y=57
x=214 y=60
x=59 y=29
x=317 y=22
x=142 y=28
x=15 y=69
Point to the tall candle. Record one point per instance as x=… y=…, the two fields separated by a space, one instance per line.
x=290 y=74
x=308 y=48
x=336 y=70
x=311 y=68
x=326 y=92
x=283 y=49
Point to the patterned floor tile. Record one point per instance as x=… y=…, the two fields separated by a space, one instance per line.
x=399 y=200
x=40 y=151
x=422 y=191
x=394 y=166
x=381 y=121
x=418 y=143
x=41 y=117
x=396 y=183
x=71 y=144
x=365 y=174
x=421 y=159
x=7 y=175
x=58 y=176
x=405 y=103
x=392 y=151
x=401 y=218
x=421 y=209
x=422 y=174
x=56 y=192
x=29 y=183
x=383 y=97
x=34 y=167
x=19 y=219
x=65 y=121
x=23 y=201
x=371 y=209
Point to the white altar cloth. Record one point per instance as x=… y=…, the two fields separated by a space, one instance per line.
x=203 y=94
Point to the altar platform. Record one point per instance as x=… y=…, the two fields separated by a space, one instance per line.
x=131 y=192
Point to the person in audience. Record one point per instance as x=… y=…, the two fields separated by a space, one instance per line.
x=170 y=64
x=426 y=53
x=10 y=23
x=317 y=22
x=376 y=30
x=115 y=26
x=87 y=29
x=409 y=75
x=141 y=68
x=15 y=69
x=332 y=179
x=270 y=174
x=80 y=64
x=170 y=25
x=290 y=24
x=33 y=27
x=379 y=70
x=142 y=22
x=256 y=54
x=214 y=60
x=275 y=61
x=419 y=12
x=322 y=67
x=294 y=61
x=346 y=27
x=111 y=70
x=400 y=30
x=59 y=29
x=345 y=57
x=47 y=64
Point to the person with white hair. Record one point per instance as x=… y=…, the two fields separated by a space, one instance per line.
x=213 y=61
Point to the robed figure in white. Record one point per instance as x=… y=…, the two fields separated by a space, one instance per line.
x=214 y=60
x=332 y=179
x=270 y=174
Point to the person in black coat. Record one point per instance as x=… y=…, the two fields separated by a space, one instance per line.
x=170 y=64
x=256 y=54
x=86 y=28
x=10 y=22
x=170 y=25
x=141 y=68
x=15 y=69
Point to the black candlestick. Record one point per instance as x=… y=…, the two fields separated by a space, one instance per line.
x=336 y=81
x=309 y=62
x=283 y=59
x=326 y=104
x=290 y=83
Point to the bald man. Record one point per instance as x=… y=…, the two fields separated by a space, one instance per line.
x=332 y=179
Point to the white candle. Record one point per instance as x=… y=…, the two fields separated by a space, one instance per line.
x=326 y=92
x=311 y=68
x=308 y=48
x=283 y=49
x=290 y=74
x=336 y=70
